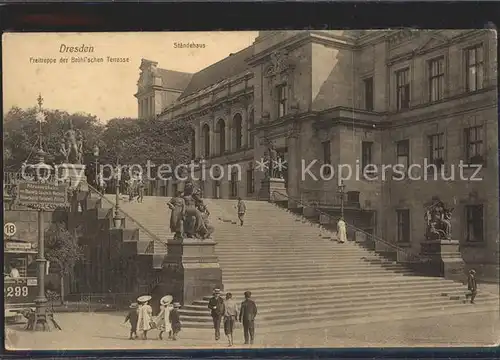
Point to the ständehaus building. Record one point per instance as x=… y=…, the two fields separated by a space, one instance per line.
x=365 y=99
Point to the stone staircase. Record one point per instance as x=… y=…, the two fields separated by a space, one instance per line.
x=298 y=273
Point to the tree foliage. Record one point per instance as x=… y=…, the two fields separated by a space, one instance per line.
x=62 y=248
x=21 y=134
x=127 y=140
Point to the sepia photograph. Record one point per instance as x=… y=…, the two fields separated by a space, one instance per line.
x=251 y=189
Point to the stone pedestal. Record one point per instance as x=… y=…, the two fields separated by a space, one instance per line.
x=443 y=258
x=74 y=174
x=268 y=188
x=191 y=269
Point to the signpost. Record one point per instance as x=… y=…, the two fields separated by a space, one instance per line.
x=40 y=196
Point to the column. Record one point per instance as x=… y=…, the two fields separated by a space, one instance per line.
x=293 y=169
x=229 y=134
x=197 y=140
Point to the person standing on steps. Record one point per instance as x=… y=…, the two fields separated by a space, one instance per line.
x=242 y=209
x=341 y=231
x=216 y=306
x=472 y=286
x=248 y=312
x=230 y=316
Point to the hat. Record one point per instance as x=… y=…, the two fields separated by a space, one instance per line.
x=133 y=305
x=167 y=299
x=216 y=291
x=144 y=298
x=177 y=305
x=472 y=271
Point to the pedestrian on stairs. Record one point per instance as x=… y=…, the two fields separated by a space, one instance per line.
x=230 y=316
x=216 y=306
x=472 y=286
x=248 y=312
x=241 y=210
x=341 y=231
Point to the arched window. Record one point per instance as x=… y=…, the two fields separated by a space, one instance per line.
x=221 y=130
x=193 y=144
x=250 y=128
x=237 y=123
x=206 y=140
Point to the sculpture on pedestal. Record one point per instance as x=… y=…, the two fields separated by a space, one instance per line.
x=72 y=147
x=438 y=219
x=189 y=217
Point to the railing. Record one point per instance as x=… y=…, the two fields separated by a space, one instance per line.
x=327 y=199
x=156 y=239
x=408 y=254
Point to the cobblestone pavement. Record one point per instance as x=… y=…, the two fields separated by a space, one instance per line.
x=105 y=331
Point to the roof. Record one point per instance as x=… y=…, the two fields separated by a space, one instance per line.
x=174 y=79
x=228 y=67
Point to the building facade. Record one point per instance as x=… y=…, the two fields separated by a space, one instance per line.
x=366 y=99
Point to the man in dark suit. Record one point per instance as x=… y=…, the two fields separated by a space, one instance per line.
x=216 y=306
x=248 y=312
x=472 y=286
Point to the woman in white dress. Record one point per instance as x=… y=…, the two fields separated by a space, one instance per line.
x=341 y=231
x=163 y=318
x=145 y=315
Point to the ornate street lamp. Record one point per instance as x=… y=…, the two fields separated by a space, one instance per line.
x=341 y=191
x=96 y=157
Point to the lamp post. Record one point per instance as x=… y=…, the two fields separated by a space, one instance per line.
x=341 y=191
x=96 y=156
x=117 y=218
x=39 y=169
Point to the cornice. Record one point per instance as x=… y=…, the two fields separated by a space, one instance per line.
x=204 y=93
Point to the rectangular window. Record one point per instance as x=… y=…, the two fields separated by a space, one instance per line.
x=474 y=223
x=436 y=149
x=250 y=181
x=403 y=153
x=234 y=185
x=436 y=79
x=366 y=153
x=282 y=100
x=368 y=84
x=474 y=145
x=403 y=225
x=327 y=159
x=403 y=89
x=474 y=68
x=326 y=152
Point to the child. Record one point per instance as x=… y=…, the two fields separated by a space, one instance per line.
x=472 y=286
x=175 y=320
x=133 y=317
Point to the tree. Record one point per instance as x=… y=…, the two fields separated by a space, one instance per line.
x=135 y=141
x=21 y=134
x=62 y=250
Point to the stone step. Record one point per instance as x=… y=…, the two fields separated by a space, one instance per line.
x=329 y=314
x=373 y=316
x=334 y=297
x=334 y=275
x=304 y=289
x=285 y=268
x=283 y=308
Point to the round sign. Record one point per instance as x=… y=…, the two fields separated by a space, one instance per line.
x=9 y=229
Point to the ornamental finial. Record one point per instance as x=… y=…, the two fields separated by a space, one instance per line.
x=40 y=100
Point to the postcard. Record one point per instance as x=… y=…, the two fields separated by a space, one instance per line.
x=251 y=189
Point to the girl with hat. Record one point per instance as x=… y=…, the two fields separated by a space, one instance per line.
x=132 y=316
x=175 y=320
x=163 y=319
x=145 y=319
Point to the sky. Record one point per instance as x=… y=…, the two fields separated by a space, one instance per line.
x=105 y=89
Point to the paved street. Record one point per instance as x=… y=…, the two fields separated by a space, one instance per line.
x=104 y=331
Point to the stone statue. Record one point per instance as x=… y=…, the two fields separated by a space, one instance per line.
x=273 y=157
x=177 y=207
x=189 y=217
x=438 y=219
x=73 y=147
